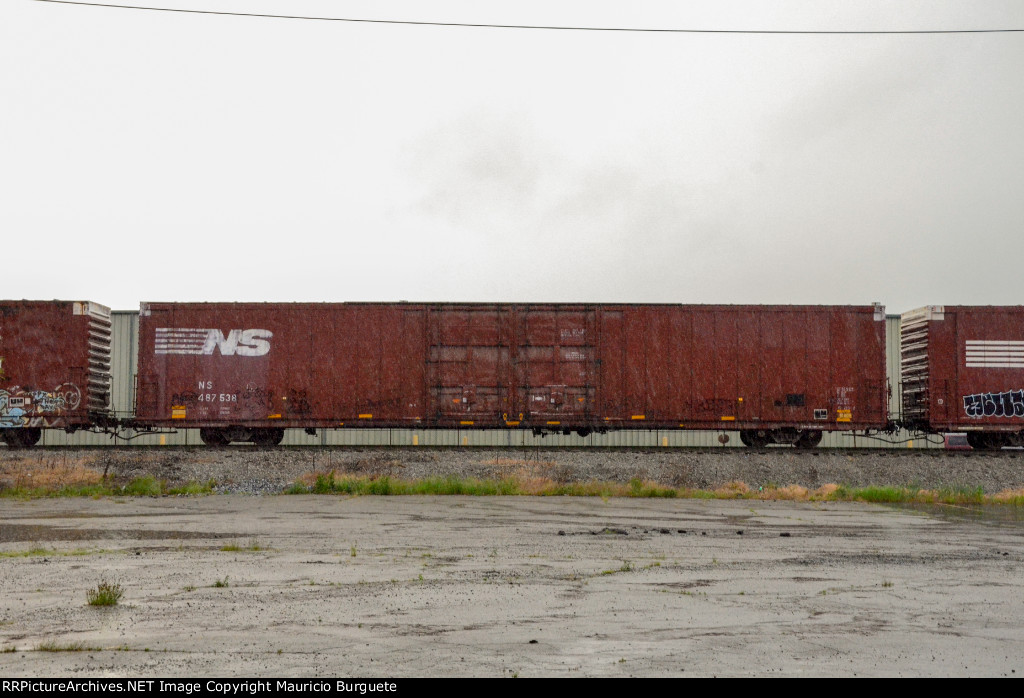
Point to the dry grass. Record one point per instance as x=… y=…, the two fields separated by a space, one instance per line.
x=534 y=484
x=733 y=489
x=796 y=493
x=825 y=491
x=48 y=472
x=1014 y=497
x=59 y=475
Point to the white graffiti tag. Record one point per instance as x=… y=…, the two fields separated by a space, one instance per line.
x=1006 y=404
x=20 y=407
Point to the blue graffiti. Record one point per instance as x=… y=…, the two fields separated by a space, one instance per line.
x=22 y=408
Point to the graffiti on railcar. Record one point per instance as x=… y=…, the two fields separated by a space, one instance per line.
x=28 y=407
x=298 y=402
x=185 y=398
x=1009 y=403
x=255 y=395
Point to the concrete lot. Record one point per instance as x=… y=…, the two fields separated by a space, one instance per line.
x=519 y=586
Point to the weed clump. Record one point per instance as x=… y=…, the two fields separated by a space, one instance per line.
x=193 y=489
x=105 y=594
x=51 y=646
x=639 y=488
x=145 y=486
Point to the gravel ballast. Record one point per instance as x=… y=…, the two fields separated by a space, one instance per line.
x=247 y=469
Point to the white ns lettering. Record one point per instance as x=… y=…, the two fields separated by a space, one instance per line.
x=239 y=342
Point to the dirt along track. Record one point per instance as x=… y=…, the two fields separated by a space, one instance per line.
x=309 y=585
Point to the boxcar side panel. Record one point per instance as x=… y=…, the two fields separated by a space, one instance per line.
x=54 y=364
x=720 y=367
x=487 y=365
x=976 y=365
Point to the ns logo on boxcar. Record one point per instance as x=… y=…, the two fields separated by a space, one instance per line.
x=204 y=342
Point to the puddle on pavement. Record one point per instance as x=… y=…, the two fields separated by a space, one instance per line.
x=998 y=515
x=20 y=533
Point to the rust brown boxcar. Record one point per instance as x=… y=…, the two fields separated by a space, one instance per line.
x=247 y=371
x=963 y=370
x=54 y=367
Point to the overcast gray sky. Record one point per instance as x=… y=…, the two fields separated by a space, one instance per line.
x=170 y=156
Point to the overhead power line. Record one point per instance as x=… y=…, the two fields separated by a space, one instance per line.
x=535 y=26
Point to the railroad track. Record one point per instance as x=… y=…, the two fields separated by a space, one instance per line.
x=860 y=452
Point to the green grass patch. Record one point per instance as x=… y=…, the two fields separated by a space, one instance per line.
x=299 y=488
x=145 y=486
x=961 y=495
x=886 y=495
x=331 y=483
x=20 y=492
x=105 y=594
x=192 y=489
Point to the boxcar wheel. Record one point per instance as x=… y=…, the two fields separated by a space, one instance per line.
x=214 y=437
x=986 y=442
x=808 y=439
x=754 y=439
x=268 y=437
x=22 y=438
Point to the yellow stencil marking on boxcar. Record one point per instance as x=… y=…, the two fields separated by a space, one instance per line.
x=512 y=424
x=273 y=416
x=639 y=416
x=366 y=416
x=465 y=422
x=843 y=415
x=554 y=422
x=177 y=412
x=728 y=419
